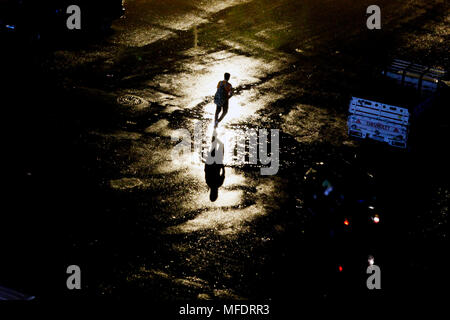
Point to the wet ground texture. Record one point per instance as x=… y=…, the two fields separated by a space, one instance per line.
x=91 y=180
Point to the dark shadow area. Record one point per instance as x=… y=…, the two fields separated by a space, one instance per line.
x=214 y=168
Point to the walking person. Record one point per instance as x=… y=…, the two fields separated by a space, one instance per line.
x=223 y=94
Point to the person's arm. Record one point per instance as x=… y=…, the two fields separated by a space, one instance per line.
x=222 y=174
x=230 y=93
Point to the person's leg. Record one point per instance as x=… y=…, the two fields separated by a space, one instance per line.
x=224 y=111
x=217 y=113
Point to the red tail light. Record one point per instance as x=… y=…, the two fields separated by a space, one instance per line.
x=376 y=218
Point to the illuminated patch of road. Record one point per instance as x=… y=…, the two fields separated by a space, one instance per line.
x=125 y=183
x=148 y=21
x=197 y=79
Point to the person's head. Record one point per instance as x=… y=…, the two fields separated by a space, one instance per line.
x=226 y=76
x=214 y=194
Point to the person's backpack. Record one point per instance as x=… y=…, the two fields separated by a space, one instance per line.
x=221 y=94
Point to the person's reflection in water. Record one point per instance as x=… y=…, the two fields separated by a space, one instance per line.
x=214 y=168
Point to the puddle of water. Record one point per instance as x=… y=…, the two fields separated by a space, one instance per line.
x=147 y=21
x=198 y=80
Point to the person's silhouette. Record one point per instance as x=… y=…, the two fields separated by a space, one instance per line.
x=214 y=168
x=226 y=89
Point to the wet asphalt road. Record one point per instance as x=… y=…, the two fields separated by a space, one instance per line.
x=93 y=156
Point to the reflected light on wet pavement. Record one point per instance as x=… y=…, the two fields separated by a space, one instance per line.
x=196 y=83
x=222 y=222
x=226 y=215
x=157 y=73
x=193 y=88
x=153 y=20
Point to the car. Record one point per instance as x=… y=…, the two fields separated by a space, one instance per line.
x=347 y=223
